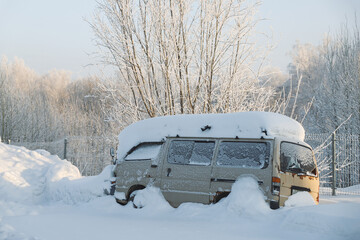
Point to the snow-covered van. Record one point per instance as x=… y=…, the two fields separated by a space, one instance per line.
x=197 y=158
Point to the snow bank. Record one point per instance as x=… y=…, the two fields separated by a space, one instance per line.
x=25 y=174
x=300 y=199
x=29 y=179
x=79 y=190
x=7 y=232
x=230 y=125
x=151 y=198
x=246 y=197
x=32 y=177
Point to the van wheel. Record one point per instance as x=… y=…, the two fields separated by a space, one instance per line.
x=132 y=193
x=121 y=202
x=220 y=195
x=132 y=197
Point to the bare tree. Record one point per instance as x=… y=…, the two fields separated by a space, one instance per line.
x=181 y=56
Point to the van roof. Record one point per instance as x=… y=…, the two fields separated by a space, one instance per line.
x=228 y=125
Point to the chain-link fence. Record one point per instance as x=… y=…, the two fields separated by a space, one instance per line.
x=89 y=154
x=55 y=147
x=342 y=153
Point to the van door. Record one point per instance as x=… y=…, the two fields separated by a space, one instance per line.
x=298 y=171
x=139 y=167
x=237 y=158
x=186 y=171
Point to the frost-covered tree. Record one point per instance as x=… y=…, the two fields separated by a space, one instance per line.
x=45 y=108
x=330 y=80
x=180 y=56
x=39 y=111
x=14 y=80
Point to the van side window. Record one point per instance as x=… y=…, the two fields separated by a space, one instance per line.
x=191 y=152
x=296 y=158
x=244 y=154
x=144 y=151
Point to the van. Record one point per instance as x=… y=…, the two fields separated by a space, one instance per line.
x=197 y=158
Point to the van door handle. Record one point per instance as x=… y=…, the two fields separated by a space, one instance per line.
x=168 y=172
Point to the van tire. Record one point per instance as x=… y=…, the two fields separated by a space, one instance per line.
x=219 y=196
x=121 y=202
x=132 y=197
x=132 y=193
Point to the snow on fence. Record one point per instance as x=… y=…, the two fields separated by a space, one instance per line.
x=91 y=155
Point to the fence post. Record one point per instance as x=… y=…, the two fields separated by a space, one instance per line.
x=333 y=164
x=65 y=146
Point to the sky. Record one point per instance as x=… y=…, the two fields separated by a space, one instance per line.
x=54 y=34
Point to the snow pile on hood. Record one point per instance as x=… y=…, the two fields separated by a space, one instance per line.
x=34 y=176
x=229 y=125
x=300 y=199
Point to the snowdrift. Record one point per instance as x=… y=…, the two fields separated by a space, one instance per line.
x=246 y=198
x=33 y=177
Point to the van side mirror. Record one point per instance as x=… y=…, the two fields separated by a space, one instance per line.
x=112 y=154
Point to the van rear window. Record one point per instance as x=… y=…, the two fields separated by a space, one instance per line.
x=244 y=154
x=296 y=158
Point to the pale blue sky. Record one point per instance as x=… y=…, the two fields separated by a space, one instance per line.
x=50 y=34
x=304 y=20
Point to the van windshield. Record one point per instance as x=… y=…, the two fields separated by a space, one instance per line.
x=297 y=159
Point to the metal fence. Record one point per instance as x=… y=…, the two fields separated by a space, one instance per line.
x=338 y=157
x=91 y=155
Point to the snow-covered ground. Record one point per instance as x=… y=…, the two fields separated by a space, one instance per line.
x=43 y=197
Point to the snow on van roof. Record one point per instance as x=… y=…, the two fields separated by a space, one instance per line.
x=227 y=125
